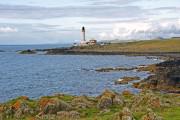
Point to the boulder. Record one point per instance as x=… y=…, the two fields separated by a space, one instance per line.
x=127 y=93
x=144 y=100
x=21 y=108
x=126 y=80
x=125 y=114
x=151 y=116
x=81 y=102
x=53 y=105
x=109 y=98
x=64 y=115
x=105 y=102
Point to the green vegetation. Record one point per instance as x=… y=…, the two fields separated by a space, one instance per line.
x=168 y=45
x=162 y=105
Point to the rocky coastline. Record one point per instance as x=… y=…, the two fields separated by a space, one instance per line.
x=158 y=100
x=166 y=77
x=146 y=105
x=150 y=104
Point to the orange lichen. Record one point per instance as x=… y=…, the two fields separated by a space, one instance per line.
x=16 y=105
x=24 y=98
x=127 y=93
x=44 y=101
x=1 y=108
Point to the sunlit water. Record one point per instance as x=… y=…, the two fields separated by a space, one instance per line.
x=40 y=75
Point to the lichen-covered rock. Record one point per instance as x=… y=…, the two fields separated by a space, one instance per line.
x=64 y=115
x=1 y=108
x=108 y=93
x=125 y=114
x=151 y=116
x=145 y=100
x=82 y=102
x=53 y=105
x=126 y=80
x=109 y=98
x=21 y=108
x=127 y=93
x=104 y=102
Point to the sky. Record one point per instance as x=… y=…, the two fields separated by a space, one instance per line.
x=60 y=21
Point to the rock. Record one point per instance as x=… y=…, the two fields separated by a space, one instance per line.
x=125 y=114
x=81 y=102
x=21 y=108
x=127 y=93
x=136 y=85
x=118 y=100
x=24 y=98
x=151 y=116
x=47 y=117
x=9 y=112
x=1 y=108
x=126 y=80
x=150 y=68
x=53 y=105
x=109 y=98
x=121 y=81
x=111 y=69
x=145 y=100
x=104 y=102
x=166 y=77
x=108 y=93
x=27 y=52
x=64 y=115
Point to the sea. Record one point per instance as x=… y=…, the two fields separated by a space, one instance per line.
x=42 y=75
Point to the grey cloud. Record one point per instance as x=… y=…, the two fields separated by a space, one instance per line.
x=32 y=12
x=37 y=27
x=112 y=2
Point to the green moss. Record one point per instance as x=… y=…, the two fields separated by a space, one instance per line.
x=138 y=115
x=63 y=97
x=172 y=113
x=66 y=98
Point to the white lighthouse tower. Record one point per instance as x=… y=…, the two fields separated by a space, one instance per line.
x=83 y=34
x=83 y=40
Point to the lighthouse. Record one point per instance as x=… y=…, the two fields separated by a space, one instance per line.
x=83 y=34
x=83 y=39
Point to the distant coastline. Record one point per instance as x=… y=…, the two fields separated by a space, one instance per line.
x=150 y=47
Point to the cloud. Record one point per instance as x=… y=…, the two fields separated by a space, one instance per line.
x=144 y=30
x=35 y=12
x=8 y=30
x=112 y=2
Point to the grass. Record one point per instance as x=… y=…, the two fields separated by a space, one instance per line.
x=94 y=113
x=168 y=45
x=171 y=112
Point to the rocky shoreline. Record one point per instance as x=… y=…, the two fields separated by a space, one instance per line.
x=78 y=51
x=166 y=77
x=158 y=100
x=149 y=104
x=146 y=105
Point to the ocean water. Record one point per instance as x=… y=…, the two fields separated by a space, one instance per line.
x=41 y=75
